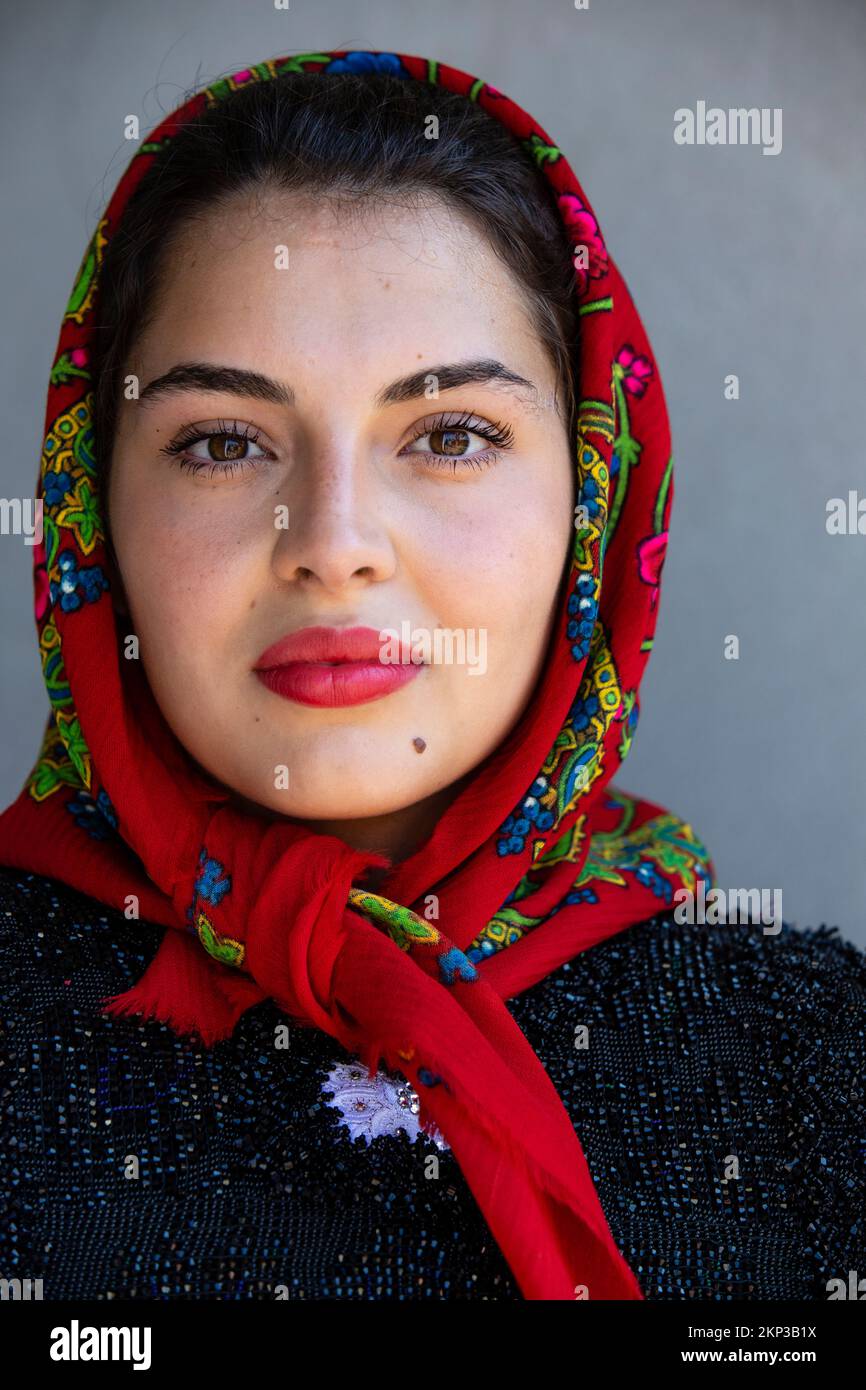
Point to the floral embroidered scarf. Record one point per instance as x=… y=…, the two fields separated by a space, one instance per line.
x=535 y=861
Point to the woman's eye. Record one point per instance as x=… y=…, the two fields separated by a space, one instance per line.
x=453 y=443
x=221 y=451
x=227 y=448
x=462 y=443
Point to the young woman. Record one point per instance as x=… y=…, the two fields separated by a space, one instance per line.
x=332 y=964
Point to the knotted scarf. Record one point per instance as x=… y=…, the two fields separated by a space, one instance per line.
x=535 y=860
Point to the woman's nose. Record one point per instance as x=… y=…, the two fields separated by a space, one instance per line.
x=333 y=527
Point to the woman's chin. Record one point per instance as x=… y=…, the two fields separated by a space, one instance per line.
x=332 y=796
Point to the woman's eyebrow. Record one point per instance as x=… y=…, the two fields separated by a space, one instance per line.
x=238 y=381
x=210 y=376
x=478 y=371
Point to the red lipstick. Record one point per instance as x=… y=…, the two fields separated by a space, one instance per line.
x=329 y=667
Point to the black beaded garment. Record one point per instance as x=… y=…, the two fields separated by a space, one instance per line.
x=714 y=1076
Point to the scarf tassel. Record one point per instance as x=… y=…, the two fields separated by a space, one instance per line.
x=184 y=989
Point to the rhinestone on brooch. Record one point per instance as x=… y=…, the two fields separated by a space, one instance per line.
x=375 y=1105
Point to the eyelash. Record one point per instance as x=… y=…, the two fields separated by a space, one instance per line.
x=501 y=437
x=192 y=435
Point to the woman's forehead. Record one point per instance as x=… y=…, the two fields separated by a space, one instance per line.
x=403 y=286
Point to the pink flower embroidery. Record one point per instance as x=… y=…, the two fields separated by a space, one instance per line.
x=584 y=231
x=637 y=370
x=650 y=558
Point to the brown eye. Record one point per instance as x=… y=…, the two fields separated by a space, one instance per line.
x=229 y=451
x=226 y=448
x=449 y=441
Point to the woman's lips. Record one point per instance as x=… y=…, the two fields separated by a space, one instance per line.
x=330 y=667
x=349 y=683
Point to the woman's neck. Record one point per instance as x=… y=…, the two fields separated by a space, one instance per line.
x=397 y=835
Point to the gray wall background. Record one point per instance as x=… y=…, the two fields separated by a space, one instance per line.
x=738 y=262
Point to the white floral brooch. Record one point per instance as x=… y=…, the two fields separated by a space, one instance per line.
x=376 y=1105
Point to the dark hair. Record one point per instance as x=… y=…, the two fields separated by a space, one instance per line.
x=353 y=137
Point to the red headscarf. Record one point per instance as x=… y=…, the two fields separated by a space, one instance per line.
x=536 y=860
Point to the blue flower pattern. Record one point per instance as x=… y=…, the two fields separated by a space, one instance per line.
x=78 y=583
x=583 y=609
x=368 y=62
x=96 y=816
x=210 y=884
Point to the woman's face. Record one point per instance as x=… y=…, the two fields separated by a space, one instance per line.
x=320 y=486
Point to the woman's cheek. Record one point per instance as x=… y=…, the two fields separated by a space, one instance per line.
x=470 y=546
x=185 y=589
x=508 y=564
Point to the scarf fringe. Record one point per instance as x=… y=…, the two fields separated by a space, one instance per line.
x=181 y=988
